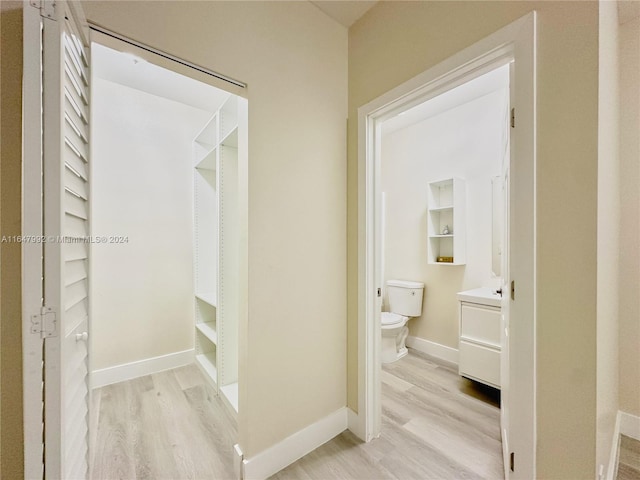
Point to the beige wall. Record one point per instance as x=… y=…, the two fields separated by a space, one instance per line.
x=294 y=60
x=608 y=232
x=11 y=455
x=397 y=40
x=630 y=217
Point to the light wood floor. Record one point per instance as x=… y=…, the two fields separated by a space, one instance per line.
x=435 y=425
x=171 y=425
x=168 y=425
x=629 y=459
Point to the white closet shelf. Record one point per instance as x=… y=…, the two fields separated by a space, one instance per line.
x=208 y=297
x=441 y=209
x=450 y=235
x=208 y=161
x=231 y=394
x=206 y=362
x=231 y=138
x=208 y=329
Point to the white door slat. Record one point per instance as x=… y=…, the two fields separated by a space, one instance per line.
x=71 y=57
x=76 y=100
x=77 y=40
x=75 y=162
x=71 y=151
x=76 y=436
x=79 y=466
x=75 y=387
x=75 y=106
x=75 y=271
x=73 y=117
x=73 y=134
x=70 y=126
x=71 y=77
x=77 y=313
x=77 y=145
x=75 y=293
x=75 y=183
x=74 y=226
x=74 y=204
x=74 y=251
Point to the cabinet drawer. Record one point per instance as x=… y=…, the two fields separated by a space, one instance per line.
x=481 y=324
x=480 y=363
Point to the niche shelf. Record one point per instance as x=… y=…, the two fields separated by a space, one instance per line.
x=446 y=222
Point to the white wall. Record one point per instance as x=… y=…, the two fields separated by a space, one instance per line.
x=142 y=189
x=467 y=142
x=294 y=60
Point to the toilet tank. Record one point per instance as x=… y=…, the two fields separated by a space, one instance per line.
x=405 y=297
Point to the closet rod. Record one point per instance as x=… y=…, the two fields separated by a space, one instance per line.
x=168 y=56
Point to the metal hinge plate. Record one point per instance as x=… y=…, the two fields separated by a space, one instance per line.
x=513 y=118
x=45 y=323
x=513 y=289
x=47 y=7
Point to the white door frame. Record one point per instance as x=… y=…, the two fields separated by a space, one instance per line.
x=32 y=252
x=516 y=42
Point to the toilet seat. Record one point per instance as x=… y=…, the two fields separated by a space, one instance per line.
x=390 y=318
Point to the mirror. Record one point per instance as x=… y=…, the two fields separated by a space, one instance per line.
x=497 y=225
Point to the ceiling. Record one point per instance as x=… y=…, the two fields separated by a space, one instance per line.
x=492 y=81
x=346 y=12
x=131 y=71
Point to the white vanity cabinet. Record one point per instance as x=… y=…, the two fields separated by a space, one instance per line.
x=479 y=345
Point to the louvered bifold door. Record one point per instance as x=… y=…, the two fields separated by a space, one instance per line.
x=66 y=254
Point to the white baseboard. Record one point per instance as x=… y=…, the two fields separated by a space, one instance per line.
x=355 y=424
x=127 y=371
x=629 y=425
x=434 y=349
x=295 y=446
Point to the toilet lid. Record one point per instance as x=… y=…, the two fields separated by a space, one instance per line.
x=390 y=318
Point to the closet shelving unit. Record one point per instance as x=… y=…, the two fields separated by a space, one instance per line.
x=215 y=152
x=445 y=209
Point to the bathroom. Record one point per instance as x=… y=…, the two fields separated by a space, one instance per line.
x=442 y=166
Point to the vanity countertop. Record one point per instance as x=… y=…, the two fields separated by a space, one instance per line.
x=483 y=296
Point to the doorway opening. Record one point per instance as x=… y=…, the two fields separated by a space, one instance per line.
x=168 y=179
x=511 y=49
x=441 y=168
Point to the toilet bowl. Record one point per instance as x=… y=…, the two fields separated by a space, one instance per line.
x=394 y=334
x=405 y=301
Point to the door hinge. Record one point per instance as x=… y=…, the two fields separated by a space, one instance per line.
x=45 y=323
x=512 y=461
x=513 y=289
x=47 y=7
x=513 y=118
x=379 y=292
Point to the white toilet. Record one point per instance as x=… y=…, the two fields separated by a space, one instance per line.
x=405 y=301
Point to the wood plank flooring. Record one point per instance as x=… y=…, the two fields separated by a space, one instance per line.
x=435 y=425
x=168 y=425
x=629 y=459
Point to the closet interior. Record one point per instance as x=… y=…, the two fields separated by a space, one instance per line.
x=166 y=182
